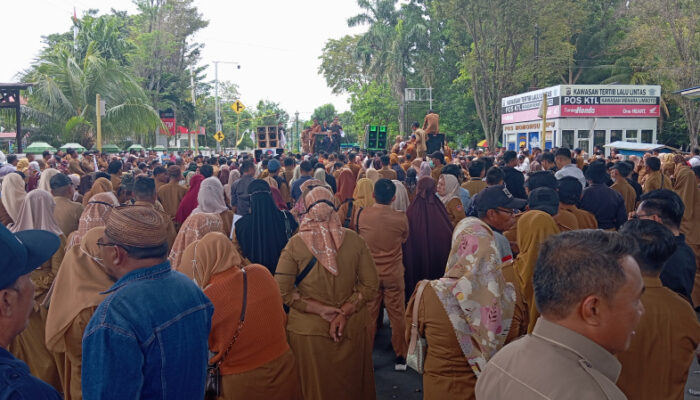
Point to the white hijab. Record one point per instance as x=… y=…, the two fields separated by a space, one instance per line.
x=401 y=201
x=13 y=194
x=451 y=188
x=210 y=198
x=45 y=179
x=36 y=212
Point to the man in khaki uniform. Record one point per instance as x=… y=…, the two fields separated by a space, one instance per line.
x=588 y=289
x=475 y=184
x=654 y=178
x=67 y=212
x=74 y=163
x=385 y=230
x=421 y=146
x=619 y=173
x=668 y=333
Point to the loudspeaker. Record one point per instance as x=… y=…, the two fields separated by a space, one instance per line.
x=322 y=143
x=376 y=137
x=258 y=155
x=267 y=136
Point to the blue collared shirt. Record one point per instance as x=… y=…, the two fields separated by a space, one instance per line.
x=148 y=338
x=16 y=383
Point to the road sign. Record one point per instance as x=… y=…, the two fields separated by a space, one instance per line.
x=237 y=106
x=219 y=136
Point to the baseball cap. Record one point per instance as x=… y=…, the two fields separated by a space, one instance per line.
x=544 y=199
x=498 y=196
x=24 y=251
x=273 y=165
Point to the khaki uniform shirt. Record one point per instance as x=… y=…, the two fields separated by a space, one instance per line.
x=431 y=123
x=74 y=166
x=687 y=188
x=170 y=195
x=385 y=230
x=474 y=186
x=655 y=367
x=656 y=180
x=387 y=173
x=551 y=363
x=628 y=194
x=421 y=146
x=67 y=214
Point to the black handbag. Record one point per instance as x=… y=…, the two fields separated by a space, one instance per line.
x=212 y=387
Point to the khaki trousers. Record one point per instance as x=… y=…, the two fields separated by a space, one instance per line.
x=391 y=290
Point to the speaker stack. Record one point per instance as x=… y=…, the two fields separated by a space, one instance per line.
x=267 y=137
x=376 y=137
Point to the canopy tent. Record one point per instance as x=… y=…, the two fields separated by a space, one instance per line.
x=75 y=146
x=638 y=149
x=109 y=148
x=136 y=146
x=159 y=147
x=39 y=147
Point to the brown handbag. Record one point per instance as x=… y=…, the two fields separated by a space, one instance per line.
x=212 y=387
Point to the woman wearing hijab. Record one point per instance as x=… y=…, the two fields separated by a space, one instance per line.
x=233 y=176
x=320 y=175
x=101 y=185
x=329 y=300
x=194 y=228
x=346 y=186
x=394 y=164
x=189 y=202
x=45 y=179
x=465 y=315
x=428 y=244
x=13 y=194
x=373 y=175
x=77 y=291
x=36 y=212
x=224 y=173
x=364 y=193
x=260 y=364
x=425 y=170
x=344 y=199
x=411 y=183
x=534 y=227
x=92 y=216
x=401 y=201
x=210 y=199
x=33 y=176
x=264 y=232
x=448 y=192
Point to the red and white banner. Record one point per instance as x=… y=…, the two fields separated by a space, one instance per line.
x=610 y=111
x=529 y=115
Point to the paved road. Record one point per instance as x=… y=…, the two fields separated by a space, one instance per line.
x=409 y=385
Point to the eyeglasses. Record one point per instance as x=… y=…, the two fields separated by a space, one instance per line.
x=505 y=210
x=101 y=244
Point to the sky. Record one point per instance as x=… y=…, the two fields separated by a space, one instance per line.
x=276 y=42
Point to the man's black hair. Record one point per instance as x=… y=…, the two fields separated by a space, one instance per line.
x=494 y=176
x=384 y=191
x=653 y=163
x=159 y=170
x=289 y=161
x=386 y=160
x=476 y=168
x=509 y=156
x=540 y=179
x=246 y=166
x=305 y=166
x=144 y=187
x=655 y=244
x=102 y=174
x=665 y=204
x=206 y=170
x=415 y=124
x=454 y=170
x=563 y=152
x=114 y=167
x=569 y=190
x=548 y=156
x=12 y=158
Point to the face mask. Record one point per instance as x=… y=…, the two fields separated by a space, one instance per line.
x=432 y=164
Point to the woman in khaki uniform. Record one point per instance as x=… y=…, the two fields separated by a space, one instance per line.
x=36 y=212
x=448 y=191
x=461 y=342
x=327 y=324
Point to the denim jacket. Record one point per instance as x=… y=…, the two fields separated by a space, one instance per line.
x=148 y=338
x=17 y=384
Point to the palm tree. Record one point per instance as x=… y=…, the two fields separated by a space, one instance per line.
x=64 y=94
x=389 y=47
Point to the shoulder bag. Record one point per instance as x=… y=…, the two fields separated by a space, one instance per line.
x=418 y=345
x=212 y=388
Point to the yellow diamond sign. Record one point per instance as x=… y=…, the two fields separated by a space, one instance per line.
x=237 y=106
x=219 y=136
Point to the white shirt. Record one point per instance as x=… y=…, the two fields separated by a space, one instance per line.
x=573 y=171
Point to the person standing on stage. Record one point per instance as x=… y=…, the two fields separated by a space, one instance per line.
x=420 y=146
x=431 y=127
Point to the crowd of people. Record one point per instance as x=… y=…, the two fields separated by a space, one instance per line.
x=529 y=275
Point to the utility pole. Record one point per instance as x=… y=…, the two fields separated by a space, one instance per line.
x=194 y=107
x=296 y=114
x=217 y=108
x=537 y=58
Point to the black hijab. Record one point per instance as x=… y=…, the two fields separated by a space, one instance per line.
x=263 y=233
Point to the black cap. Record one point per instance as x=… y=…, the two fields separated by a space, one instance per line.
x=439 y=156
x=498 y=196
x=24 y=251
x=622 y=167
x=59 y=181
x=544 y=199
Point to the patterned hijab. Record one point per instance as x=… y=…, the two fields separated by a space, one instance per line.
x=475 y=295
x=194 y=228
x=320 y=229
x=93 y=216
x=13 y=194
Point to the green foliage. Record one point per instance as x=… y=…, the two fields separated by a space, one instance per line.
x=324 y=113
x=373 y=104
